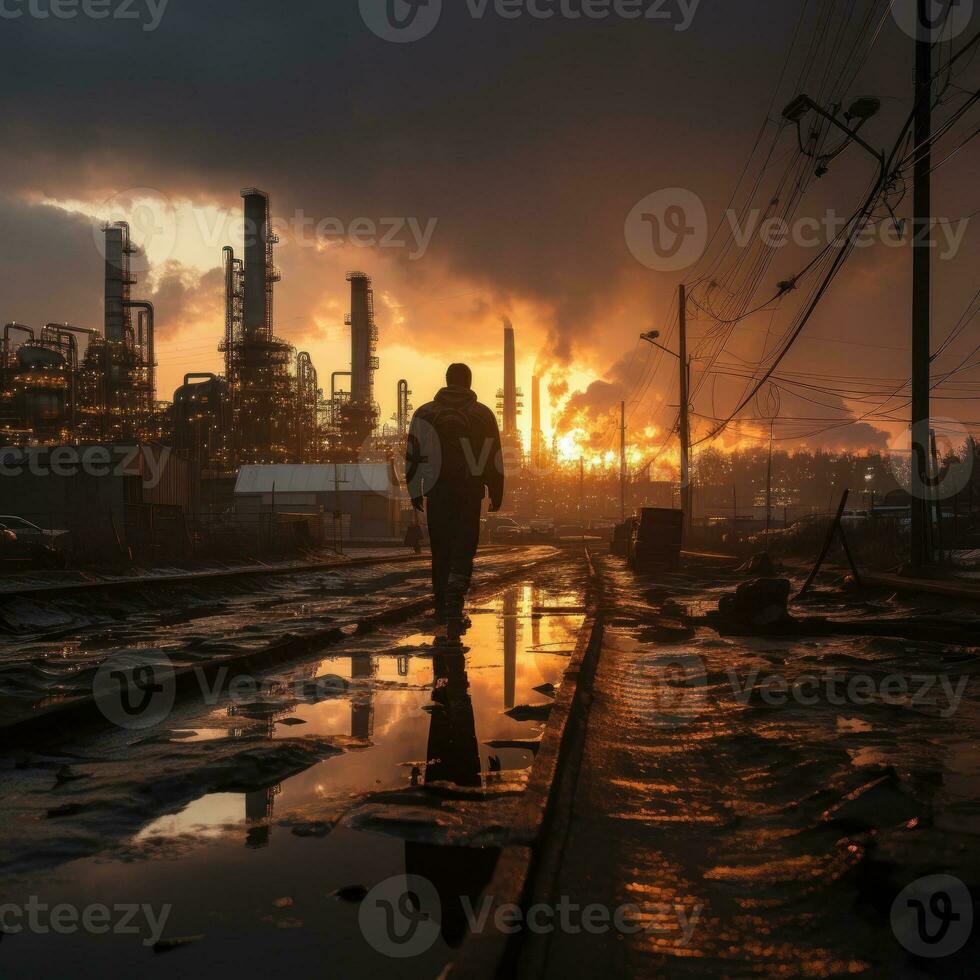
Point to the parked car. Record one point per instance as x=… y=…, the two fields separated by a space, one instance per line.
x=541 y=532
x=510 y=533
x=29 y=537
x=491 y=524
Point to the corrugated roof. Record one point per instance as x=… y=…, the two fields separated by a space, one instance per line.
x=304 y=478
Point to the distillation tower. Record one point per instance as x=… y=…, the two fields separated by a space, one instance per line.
x=510 y=403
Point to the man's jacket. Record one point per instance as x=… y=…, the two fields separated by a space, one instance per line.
x=454 y=442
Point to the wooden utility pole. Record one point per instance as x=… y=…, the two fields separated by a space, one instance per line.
x=685 y=421
x=622 y=460
x=769 y=484
x=921 y=286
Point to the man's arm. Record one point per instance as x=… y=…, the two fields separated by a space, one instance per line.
x=493 y=475
x=413 y=460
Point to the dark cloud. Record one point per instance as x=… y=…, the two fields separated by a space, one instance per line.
x=51 y=265
x=528 y=140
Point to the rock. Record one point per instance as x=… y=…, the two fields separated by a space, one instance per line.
x=67 y=775
x=530 y=712
x=761 y=602
x=673 y=608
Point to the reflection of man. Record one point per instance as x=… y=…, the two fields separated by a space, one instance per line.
x=453 y=756
x=453 y=458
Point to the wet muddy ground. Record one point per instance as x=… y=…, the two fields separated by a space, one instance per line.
x=758 y=803
x=245 y=825
x=765 y=802
x=52 y=647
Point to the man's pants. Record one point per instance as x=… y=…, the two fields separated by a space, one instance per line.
x=454 y=533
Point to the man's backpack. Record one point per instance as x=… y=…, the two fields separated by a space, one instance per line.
x=455 y=431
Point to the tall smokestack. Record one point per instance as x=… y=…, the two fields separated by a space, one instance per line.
x=259 y=271
x=510 y=383
x=118 y=279
x=536 y=420
x=363 y=340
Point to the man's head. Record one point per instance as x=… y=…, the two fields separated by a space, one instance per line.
x=459 y=376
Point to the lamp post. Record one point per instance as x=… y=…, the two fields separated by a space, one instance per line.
x=685 y=423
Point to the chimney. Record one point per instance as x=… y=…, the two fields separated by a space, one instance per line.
x=118 y=279
x=510 y=383
x=363 y=340
x=259 y=272
x=536 y=420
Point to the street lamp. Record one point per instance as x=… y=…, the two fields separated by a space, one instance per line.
x=862 y=110
x=651 y=338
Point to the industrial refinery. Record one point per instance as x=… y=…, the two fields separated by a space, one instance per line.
x=254 y=460
x=63 y=384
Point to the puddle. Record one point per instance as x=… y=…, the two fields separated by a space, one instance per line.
x=403 y=760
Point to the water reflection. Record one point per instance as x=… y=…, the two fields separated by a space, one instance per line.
x=362 y=708
x=405 y=715
x=509 y=625
x=258 y=815
x=400 y=706
x=535 y=618
x=452 y=756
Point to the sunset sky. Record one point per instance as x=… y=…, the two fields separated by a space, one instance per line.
x=521 y=145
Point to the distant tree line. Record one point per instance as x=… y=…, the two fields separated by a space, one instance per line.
x=817 y=479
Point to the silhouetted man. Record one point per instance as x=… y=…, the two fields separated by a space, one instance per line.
x=454 y=457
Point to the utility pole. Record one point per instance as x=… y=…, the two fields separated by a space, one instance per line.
x=581 y=494
x=685 y=421
x=769 y=485
x=622 y=460
x=921 y=286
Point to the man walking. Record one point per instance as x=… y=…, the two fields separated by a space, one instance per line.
x=453 y=459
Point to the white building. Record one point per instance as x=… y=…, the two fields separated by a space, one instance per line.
x=367 y=496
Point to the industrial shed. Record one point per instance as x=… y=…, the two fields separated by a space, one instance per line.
x=367 y=496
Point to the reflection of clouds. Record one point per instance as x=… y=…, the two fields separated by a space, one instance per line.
x=208 y=816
